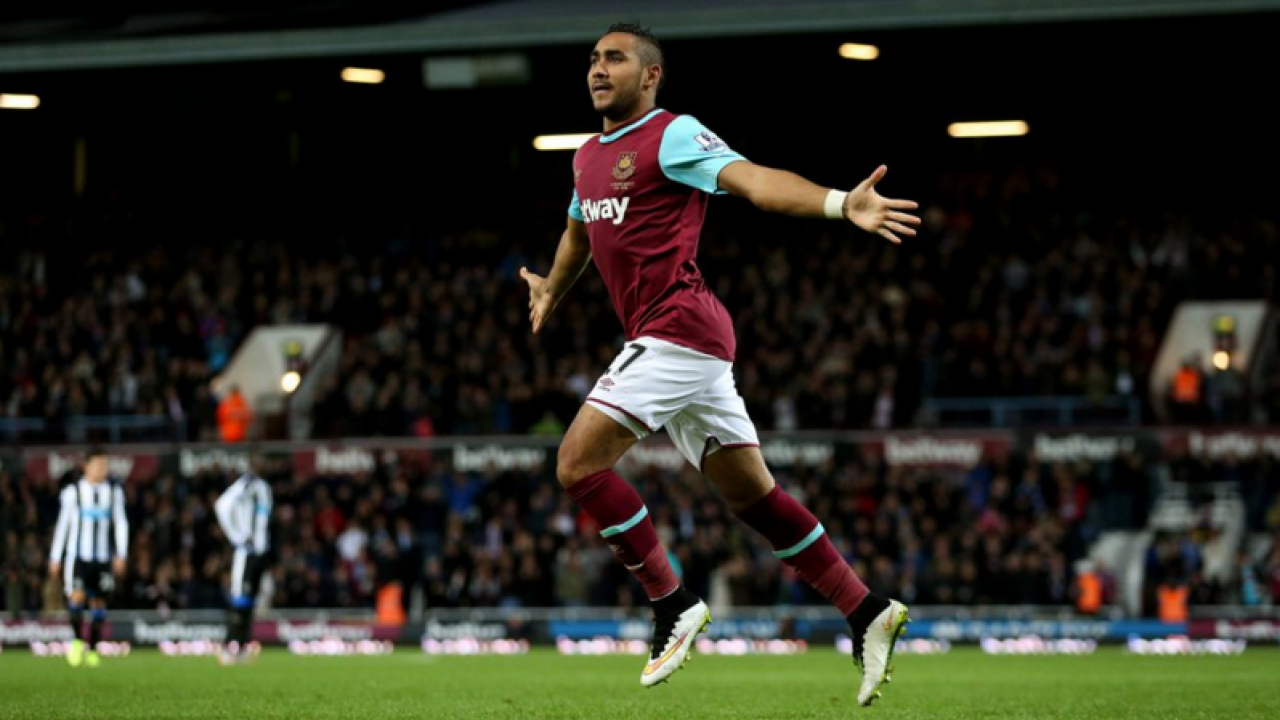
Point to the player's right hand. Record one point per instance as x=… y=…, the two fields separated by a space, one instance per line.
x=540 y=301
x=55 y=569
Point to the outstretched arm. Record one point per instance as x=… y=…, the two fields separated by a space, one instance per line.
x=572 y=256
x=785 y=192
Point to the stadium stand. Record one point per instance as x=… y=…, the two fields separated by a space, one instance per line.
x=1006 y=531
x=1019 y=293
x=1035 y=283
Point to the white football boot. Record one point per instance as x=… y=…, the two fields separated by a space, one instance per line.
x=873 y=652
x=673 y=638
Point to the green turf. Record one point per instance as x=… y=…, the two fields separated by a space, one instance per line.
x=819 y=684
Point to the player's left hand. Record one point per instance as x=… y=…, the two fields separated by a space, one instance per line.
x=867 y=209
x=117 y=566
x=540 y=301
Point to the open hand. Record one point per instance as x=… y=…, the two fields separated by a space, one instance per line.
x=867 y=209
x=540 y=301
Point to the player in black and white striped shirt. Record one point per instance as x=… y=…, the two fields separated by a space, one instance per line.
x=90 y=546
x=244 y=512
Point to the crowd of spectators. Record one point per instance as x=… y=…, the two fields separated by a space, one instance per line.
x=1201 y=563
x=1012 y=289
x=1004 y=532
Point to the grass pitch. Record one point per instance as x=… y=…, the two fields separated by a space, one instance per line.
x=819 y=684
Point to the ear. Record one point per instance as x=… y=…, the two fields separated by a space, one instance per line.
x=653 y=76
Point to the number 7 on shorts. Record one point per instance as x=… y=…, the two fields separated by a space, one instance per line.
x=638 y=350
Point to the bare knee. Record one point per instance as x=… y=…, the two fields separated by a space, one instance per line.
x=741 y=476
x=740 y=496
x=594 y=442
x=573 y=465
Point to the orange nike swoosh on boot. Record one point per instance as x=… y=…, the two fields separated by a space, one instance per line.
x=653 y=664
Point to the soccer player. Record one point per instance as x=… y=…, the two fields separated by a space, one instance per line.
x=244 y=512
x=90 y=546
x=640 y=197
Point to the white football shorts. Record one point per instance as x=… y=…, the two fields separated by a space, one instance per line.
x=655 y=384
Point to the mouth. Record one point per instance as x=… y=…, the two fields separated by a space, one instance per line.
x=599 y=89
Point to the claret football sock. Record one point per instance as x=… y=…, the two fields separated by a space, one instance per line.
x=616 y=507
x=800 y=541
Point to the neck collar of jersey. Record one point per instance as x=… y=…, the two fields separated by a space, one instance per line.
x=629 y=126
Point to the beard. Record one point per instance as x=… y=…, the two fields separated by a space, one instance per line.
x=623 y=103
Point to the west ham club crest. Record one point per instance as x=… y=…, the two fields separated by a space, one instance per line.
x=625 y=167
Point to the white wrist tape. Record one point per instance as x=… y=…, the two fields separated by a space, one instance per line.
x=833 y=207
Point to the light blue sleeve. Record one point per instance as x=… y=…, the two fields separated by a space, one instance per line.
x=575 y=209
x=693 y=155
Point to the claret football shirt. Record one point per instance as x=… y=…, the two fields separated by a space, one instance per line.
x=642 y=192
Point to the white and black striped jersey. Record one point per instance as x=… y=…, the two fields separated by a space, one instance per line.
x=244 y=512
x=92 y=524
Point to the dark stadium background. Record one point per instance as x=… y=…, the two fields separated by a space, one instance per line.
x=1144 y=115
x=1152 y=110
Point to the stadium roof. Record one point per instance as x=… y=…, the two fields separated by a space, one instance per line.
x=52 y=36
